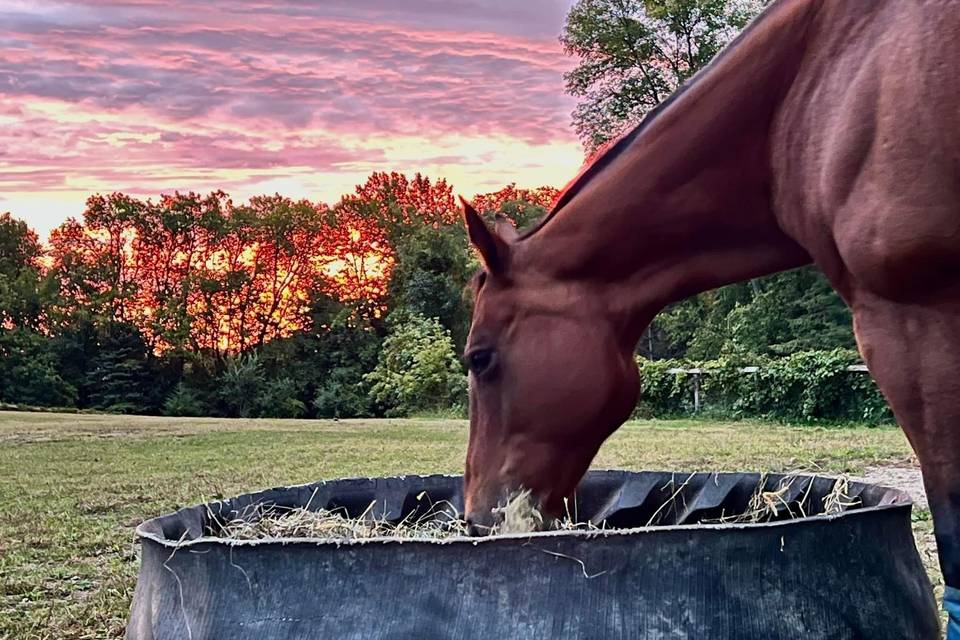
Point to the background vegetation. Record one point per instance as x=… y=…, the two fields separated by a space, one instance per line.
x=193 y=305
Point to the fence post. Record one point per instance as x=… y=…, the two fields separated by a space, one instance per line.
x=696 y=392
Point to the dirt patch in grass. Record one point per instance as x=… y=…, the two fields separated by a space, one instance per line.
x=906 y=478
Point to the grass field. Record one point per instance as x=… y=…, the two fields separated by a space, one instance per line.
x=73 y=487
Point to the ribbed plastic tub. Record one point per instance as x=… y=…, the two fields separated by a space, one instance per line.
x=661 y=567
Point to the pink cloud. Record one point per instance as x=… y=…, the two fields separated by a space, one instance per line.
x=155 y=94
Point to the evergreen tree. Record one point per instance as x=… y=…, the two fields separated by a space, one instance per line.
x=119 y=373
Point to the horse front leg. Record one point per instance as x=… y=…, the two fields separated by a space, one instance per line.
x=913 y=352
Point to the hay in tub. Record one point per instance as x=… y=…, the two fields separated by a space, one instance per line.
x=440 y=520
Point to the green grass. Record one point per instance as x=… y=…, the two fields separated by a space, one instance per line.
x=73 y=487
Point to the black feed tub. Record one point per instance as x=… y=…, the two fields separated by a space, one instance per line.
x=848 y=575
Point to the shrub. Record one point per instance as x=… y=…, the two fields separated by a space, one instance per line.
x=278 y=399
x=28 y=371
x=184 y=401
x=240 y=385
x=343 y=394
x=417 y=369
x=808 y=386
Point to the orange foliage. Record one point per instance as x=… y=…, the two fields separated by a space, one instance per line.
x=542 y=196
x=358 y=260
x=199 y=273
x=430 y=202
x=193 y=273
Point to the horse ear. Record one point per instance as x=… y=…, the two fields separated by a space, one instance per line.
x=493 y=251
x=505 y=229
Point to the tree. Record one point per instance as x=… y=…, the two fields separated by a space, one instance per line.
x=240 y=385
x=184 y=401
x=402 y=200
x=254 y=277
x=28 y=371
x=632 y=54
x=279 y=399
x=193 y=273
x=695 y=328
x=342 y=394
x=28 y=362
x=21 y=302
x=772 y=316
x=432 y=270
x=365 y=230
x=93 y=261
x=119 y=376
x=787 y=313
x=523 y=206
x=174 y=240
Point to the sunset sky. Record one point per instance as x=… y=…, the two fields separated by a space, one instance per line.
x=301 y=97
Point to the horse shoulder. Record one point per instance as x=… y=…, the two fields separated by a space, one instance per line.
x=867 y=153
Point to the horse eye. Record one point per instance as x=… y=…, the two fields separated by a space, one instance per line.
x=480 y=361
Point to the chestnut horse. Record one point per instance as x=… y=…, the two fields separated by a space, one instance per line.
x=827 y=132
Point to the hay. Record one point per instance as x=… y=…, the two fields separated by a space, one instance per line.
x=519 y=515
x=767 y=505
x=261 y=521
x=437 y=521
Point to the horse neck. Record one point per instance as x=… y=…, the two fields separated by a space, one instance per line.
x=686 y=206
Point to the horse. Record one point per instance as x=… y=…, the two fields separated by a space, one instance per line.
x=827 y=132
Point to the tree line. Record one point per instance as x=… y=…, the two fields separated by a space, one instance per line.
x=195 y=305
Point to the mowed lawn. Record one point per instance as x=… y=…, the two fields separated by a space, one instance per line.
x=74 y=487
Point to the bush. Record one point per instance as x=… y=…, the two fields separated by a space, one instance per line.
x=119 y=371
x=278 y=399
x=809 y=386
x=343 y=394
x=240 y=384
x=663 y=393
x=417 y=369
x=184 y=401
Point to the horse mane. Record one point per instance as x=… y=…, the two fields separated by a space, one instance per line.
x=612 y=151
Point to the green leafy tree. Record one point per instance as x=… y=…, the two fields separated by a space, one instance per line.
x=433 y=268
x=632 y=54
x=21 y=294
x=28 y=371
x=772 y=316
x=28 y=361
x=342 y=394
x=278 y=398
x=417 y=369
x=695 y=328
x=328 y=359
x=790 y=312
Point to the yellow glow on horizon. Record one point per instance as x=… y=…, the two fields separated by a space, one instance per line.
x=125 y=151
